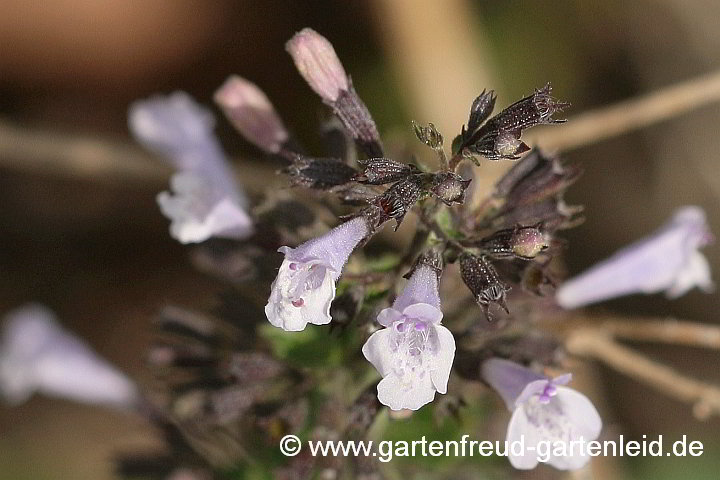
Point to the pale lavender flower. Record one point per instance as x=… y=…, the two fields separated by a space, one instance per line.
x=251 y=113
x=543 y=410
x=413 y=353
x=305 y=284
x=317 y=62
x=669 y=260
x=205 y=200
x=38 y=355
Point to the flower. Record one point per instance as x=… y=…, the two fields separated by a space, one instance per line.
x=668 y=260
x=317 y=62
x=205 y=201
x=37 y=354
x=251 y=113
x=305 y=285
x=413 y=353
x=543 y=410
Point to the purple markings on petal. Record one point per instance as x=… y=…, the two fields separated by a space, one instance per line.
x=668 y=260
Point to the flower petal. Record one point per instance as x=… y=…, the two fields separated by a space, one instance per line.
x=377 y=350
x=315 y=309
x=581 y=413
x=387 y=316
x=397 y=395
x=443 y=360
x=521 y=430
x=424 y=312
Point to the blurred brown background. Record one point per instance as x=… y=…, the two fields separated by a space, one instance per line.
x=94 y=247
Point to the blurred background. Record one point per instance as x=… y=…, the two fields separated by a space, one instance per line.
x=82 y=234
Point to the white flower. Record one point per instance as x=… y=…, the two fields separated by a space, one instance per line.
x=36 y=354
x=546 y=411
x=205 y=200
x=668 y=260
x=414 y=353
x=305 y=284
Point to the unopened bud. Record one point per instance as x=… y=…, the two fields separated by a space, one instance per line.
x=483 y=281
x=251 y=113
x=317 y=62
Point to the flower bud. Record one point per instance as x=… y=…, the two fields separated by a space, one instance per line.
x=317 y=62
x=251 y=113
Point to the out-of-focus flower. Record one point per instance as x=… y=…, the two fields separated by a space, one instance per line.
x=669 y=260
x=317 y=62
x=251 y=113
x=206 y=202
x=37 y=355
x=305 y=285
x=543 y=410
x=413 y=353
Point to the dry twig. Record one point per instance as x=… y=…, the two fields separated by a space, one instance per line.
x=597 y=343
x=623 y=117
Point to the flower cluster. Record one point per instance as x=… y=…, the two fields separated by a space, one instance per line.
x=501 y=248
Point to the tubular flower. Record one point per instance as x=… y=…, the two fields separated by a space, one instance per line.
x=413 y=353
x=305 y=285
x=543 y=410
x=205 y=201
x=669 y=260
x=37 y=355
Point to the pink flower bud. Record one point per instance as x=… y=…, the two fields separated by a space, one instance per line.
x=251 y=113
x=317 y=62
